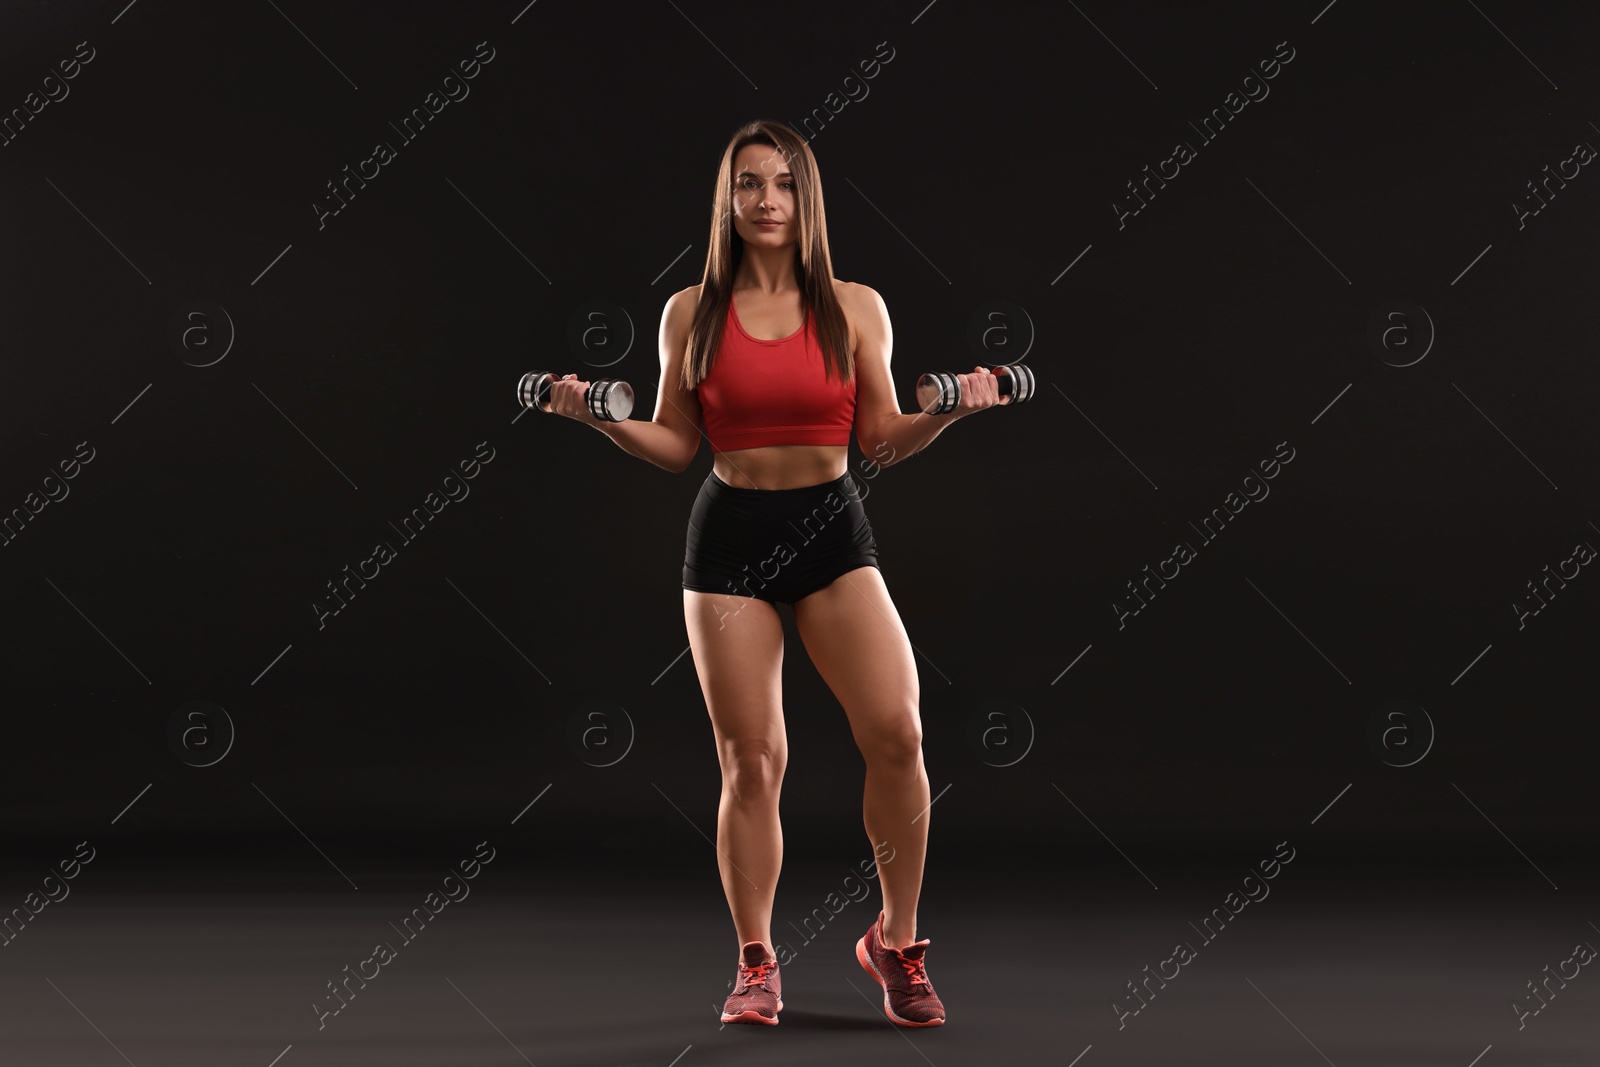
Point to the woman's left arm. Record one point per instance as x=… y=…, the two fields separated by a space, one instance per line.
x=884 y=433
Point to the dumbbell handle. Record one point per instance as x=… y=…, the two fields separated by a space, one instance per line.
x=942 y=391
x=608 y=399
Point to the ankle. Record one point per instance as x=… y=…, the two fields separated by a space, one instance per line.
x=891 y=937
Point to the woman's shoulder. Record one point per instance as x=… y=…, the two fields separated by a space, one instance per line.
x=861 y=304
x=681 y=305
x=856 y=297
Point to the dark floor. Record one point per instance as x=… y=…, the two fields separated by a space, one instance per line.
x=1376 y=968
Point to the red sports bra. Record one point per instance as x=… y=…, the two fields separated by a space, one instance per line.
x=773 y=392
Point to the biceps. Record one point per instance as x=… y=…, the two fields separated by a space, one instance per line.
x=679 y=410
x=876 y=404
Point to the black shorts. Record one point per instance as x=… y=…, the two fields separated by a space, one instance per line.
x=776 y=545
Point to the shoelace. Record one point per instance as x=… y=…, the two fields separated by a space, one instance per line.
x=756 y=974
x=915 y=970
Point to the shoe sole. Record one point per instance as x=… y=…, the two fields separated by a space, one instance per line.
x=865 y=959
x=752 y=1017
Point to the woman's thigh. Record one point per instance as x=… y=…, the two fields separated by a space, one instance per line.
x=855 y=638
x=737 y=644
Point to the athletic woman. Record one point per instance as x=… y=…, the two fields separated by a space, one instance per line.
x=774 y=361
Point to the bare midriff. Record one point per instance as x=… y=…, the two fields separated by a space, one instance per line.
x=781 y=466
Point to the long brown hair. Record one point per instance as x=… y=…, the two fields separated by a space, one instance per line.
x=813 y=266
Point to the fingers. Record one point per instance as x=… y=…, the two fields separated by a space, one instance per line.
x=566 y=398
x=978 y=390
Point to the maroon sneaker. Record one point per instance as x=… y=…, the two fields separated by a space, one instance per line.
x=757 y=995
x=908 y=996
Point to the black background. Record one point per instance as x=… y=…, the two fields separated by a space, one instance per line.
x=1173 y=356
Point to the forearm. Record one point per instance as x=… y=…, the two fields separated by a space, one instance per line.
x=900 y=436
x=650 y=441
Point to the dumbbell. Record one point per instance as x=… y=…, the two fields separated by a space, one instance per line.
x=609 y=399
x=942 y=390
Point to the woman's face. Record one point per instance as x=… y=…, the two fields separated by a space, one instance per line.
x=763 y=197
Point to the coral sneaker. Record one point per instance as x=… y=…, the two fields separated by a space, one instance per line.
x=908 y=996
x=757 y=995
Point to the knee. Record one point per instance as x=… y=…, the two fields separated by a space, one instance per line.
x=752 y=770
x=898 y=746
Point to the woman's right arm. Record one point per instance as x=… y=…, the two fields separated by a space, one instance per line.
x=672 y=438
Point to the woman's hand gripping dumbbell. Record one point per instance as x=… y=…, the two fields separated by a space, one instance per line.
x=942 y=393
x=606 y=400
